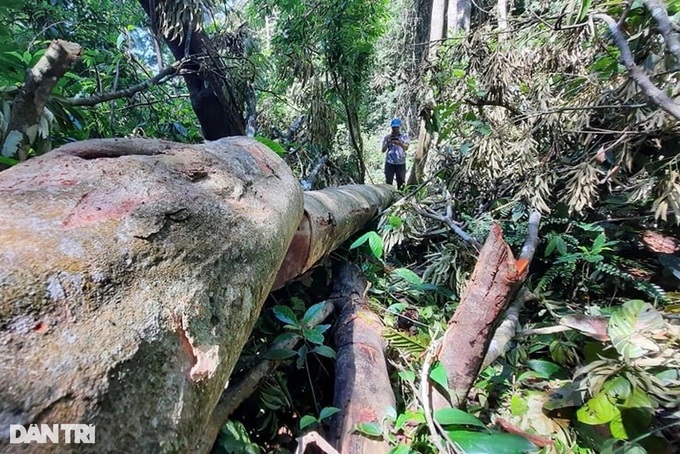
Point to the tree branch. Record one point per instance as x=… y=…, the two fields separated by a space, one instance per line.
x=28 y=105
x=165 y=74
x=655 y=95
x=658 y=11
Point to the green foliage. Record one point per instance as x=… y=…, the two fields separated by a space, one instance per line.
x=234 y=439
x=590 y=266
x=374 y=242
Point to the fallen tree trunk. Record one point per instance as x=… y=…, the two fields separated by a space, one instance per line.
x=494 y=282
x=132 y=274
x=332 y=215
x=362 y=387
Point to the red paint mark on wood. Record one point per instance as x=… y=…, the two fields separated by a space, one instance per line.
x=102 y=206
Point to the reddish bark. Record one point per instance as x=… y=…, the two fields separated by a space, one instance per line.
x=362 y=387
x=494 y=283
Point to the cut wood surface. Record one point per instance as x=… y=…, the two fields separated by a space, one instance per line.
x=494 y=283
x=362 y=386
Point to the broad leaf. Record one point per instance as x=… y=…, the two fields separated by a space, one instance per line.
x=327 y=412
x=371 y=429
x=324 y=350
x=491 y=443
x=307 y=420
x=544 y=369
x=454 y=416
x=598 y=410
x=438 y=375
x=286 y=315
x=408 y=275
x=312 y=313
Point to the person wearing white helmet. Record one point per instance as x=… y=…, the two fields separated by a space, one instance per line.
x=395 y=144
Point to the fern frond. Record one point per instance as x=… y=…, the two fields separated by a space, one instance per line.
x=405 y=342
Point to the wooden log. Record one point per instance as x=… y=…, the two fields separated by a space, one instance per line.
x=362 y=386
x=132 y=274
x=494 y=282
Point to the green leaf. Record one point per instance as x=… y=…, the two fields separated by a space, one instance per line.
x=454 y=416
x=490 y=443
x=408 y=275
x=233 y=439
x=438 y=375
x=285 y=337
x=313 y=336
x=618 y=388
x=518 y=405
x=324 y=350
x=302 y=356
x=286 y=315
x=598 y=410
x=414 y=417
x=359 y=241
x=561 y=246
x=279 y=354
x=274 y=146
x=407 y=375
x=312 y=313
x=401 y=449
x=631 y=423
x=544 y=369
x=327 y=412
x=371 y=429
x=637 y=399
x=583 y=12
x=8 y=161
x=306 y=421
x=376 y=244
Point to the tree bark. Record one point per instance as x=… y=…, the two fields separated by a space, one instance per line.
x=29 y=103
x=217 y=104
x=362 y=386
x=132 y=274
x=495 y=280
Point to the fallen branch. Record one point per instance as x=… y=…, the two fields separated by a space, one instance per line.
x=448 y=220
x=28 y=105
x=314 y=439
x=494 y=282
x=656 y=96
x=362 y=387
x=507 y=330
x=233 y=396
x=165 y=74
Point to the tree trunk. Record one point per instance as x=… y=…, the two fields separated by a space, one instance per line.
x=216 y=102
x=362 y=386
x=29 y=103
x=494 y=282
x=437 y=26
x=133 y=272
x=458 y=16
x=420 y=158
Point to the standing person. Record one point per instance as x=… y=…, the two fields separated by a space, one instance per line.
x=396 y=145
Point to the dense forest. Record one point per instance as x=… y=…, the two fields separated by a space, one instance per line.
x=538 y=130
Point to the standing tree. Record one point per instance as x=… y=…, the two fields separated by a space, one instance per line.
x=217 y=98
